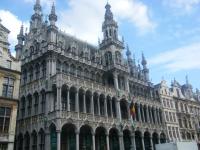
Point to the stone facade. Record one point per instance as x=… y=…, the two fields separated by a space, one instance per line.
x=182 y=111
x=9 y=91
x=74 y=95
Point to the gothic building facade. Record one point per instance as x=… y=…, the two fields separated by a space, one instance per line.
x=76 y=96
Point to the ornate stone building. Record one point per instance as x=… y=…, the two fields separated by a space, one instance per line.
x=9 y=91
x=181 y=105
x=74 y=95
x=170 y=111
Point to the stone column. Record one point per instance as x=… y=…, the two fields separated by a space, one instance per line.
x=151 y=142
x=77 y=140
x=93 y=141
x=116 y=81
x=105 y=107
x=58 y=140
x=155 y=116
x=68 y=100
x=76 y=102
x=133 y=147
x=147 y=110
x=84 y=103
x=92 y=105
x=107 y=142
x=121 y=141
x=127 y=84
x=143 y=113
x=158 y=116
x=150 y=115
x=119 y=110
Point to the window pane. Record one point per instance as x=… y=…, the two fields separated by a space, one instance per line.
x=2 y=111
x=8 y=112
x=5 y=80
x=1 y=124
x=10 y=91
x=6 y=126
x=4 y=93
x=11 y=81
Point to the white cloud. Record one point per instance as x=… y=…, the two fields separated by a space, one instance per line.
x=84 y=17
x=184 y=5
x=13 y=23
x=183 y=58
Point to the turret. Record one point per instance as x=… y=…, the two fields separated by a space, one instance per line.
x=52 y=28
x=36 y=19
x=53 y=16
x=19 y=46
x=110 y=30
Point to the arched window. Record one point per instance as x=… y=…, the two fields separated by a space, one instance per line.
x=37 y=71
x=58 y=66
x=108 y=58
x=43 y=68
x=118 y=57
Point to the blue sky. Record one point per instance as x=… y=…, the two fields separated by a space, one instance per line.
x=167 y=31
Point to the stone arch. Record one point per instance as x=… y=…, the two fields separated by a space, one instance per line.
x=68 y=137
x=162 y=138
x=138 y=140
x=88 y=100
x=127 y=139
x=96 y=103
x=81 y=98
x=155 y=139
x=102 y=104
x=36 y=102
x=37 y=71
x=114 y=109
x=147 y=140
x=53 y=136
x=124 y=109
x=100 y=138
x=114 y=139
x=72 y=97
x=29 y=104
x=27 y=141
x=85 y=137
x=34 y=140
x=41 y=136
x=109 y=104
x=64 y=96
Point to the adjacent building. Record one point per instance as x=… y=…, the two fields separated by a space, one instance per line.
x=74 y=95
x=9 y=91
x=181 y=111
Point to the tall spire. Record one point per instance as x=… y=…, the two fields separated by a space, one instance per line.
x=128 y=52
x=53 y=16
x=37 y=7
x=144 y=62
x=110 y=30
x=108 y=14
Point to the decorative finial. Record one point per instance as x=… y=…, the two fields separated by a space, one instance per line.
x=128 y=52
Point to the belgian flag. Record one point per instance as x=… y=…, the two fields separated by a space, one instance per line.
x=132 y=109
